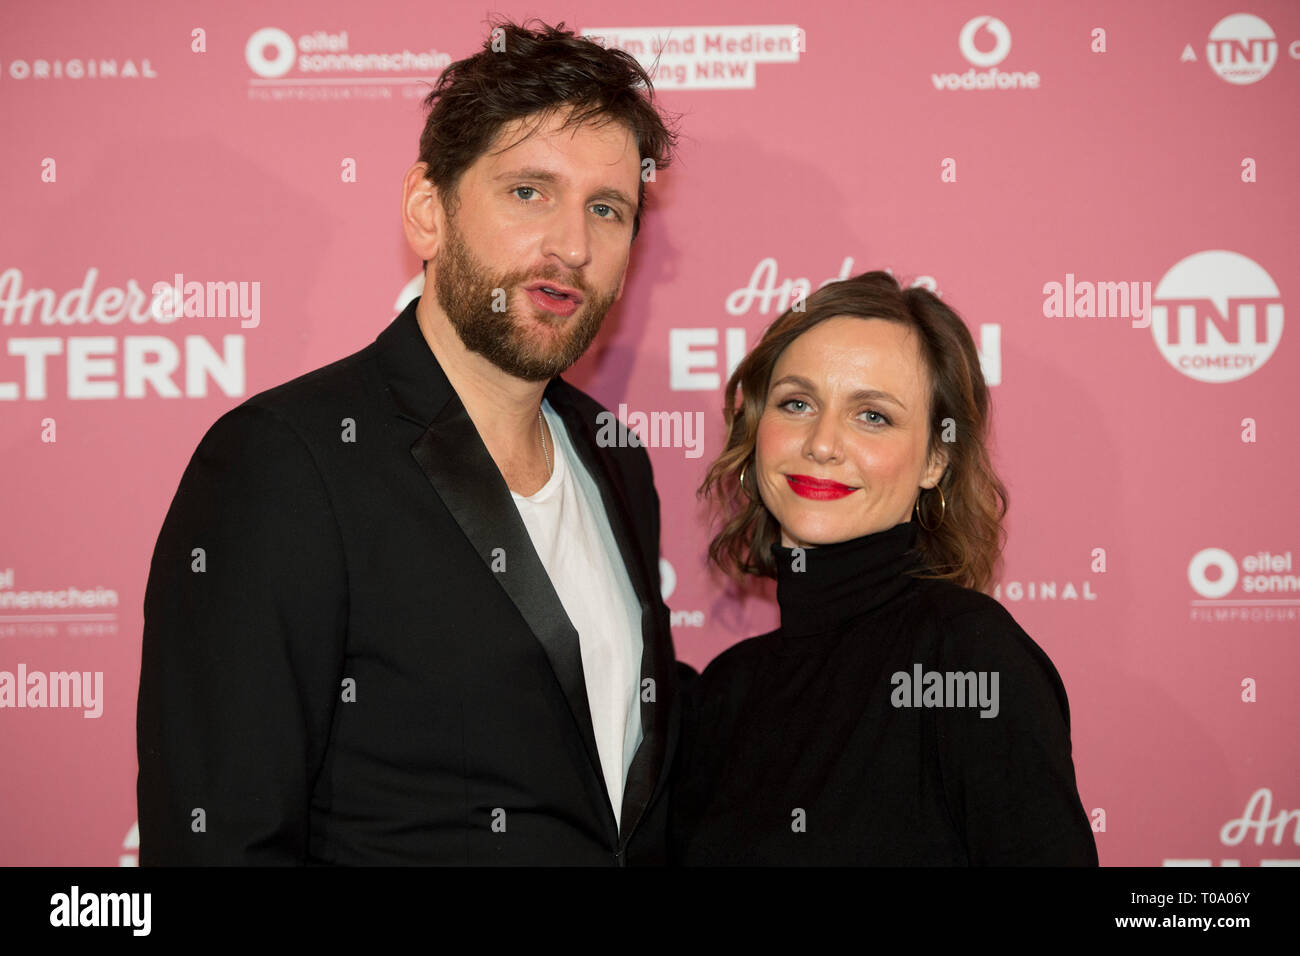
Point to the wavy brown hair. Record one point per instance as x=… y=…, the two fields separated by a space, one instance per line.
x=966 y=545
x=522 y=72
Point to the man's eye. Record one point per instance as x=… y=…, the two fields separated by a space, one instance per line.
x=611 y=209
x=527 y=189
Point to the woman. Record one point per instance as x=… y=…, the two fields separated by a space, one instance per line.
x=898 y=716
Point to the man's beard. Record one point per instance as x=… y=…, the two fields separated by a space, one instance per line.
x=466 y=290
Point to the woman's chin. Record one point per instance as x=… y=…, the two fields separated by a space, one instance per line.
x=814 y=534
x=817 y=530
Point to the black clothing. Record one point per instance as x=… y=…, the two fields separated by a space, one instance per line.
x=795 y=749
x=346 y=674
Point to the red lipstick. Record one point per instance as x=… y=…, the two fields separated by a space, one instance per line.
x=819 y=489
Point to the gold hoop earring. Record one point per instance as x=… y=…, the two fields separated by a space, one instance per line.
x=943 y=510
x=742 y=476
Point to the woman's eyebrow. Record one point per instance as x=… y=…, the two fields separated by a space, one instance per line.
x=862 y=394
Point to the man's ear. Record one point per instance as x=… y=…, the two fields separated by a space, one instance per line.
x=422 y=213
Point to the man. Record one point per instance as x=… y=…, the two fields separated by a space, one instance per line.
x=404 y=609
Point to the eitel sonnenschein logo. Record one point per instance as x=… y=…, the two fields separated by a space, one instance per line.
x=270 y=52
x=1217 y=316
x=1241 y=48
x=1259 y=587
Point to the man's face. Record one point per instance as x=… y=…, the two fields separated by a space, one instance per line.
x=554 y=210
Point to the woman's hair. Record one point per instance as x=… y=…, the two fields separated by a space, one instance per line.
x=520 y=72
x=966 y=545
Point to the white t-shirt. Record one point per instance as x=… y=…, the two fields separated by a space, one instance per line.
x=570 y=531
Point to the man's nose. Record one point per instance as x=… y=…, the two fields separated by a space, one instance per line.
x=567 y=238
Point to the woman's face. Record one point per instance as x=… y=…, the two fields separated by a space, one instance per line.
x=841 y=446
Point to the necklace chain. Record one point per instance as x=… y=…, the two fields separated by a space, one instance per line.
x=541 y=434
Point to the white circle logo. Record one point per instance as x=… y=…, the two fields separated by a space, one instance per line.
x=667 y=579
x=1216 y=316
x=279 y=43
x=1001 y=41
x=131 y=847
x=1212 y=557
x=412 y=290
x=1241 y=48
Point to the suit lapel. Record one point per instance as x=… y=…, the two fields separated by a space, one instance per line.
x=458 y=466
x=644 y=771
x=452 y=456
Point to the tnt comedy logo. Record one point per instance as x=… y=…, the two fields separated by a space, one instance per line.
x=1241 y=49
x=1217 y=316
x=1260 y=587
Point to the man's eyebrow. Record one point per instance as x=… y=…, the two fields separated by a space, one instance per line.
x=861 y=395
x=548 y=176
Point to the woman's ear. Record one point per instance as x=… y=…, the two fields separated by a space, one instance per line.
x=938 y=463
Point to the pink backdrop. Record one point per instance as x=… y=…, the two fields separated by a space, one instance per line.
x=986 y=149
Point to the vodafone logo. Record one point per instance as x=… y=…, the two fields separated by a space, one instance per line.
x=1217 y=316
x=270 y=52
x=667 y=585
x=667 y=579
x=1001 y=41
x=1241 y=48
x=985 y=42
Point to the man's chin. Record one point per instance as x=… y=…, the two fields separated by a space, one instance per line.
x=537 y=366
x=538 y=344
x=550 y=319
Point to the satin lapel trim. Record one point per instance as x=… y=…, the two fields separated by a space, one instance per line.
x=454 y=459
x=645 y=770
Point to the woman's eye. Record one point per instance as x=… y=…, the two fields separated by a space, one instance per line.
x=792 y=401
x=879 y=419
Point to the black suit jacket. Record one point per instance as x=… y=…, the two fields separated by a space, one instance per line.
x=333 y=672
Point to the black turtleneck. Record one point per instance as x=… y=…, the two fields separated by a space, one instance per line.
x=797 y=747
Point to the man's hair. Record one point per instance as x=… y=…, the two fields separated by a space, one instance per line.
x=520 y=72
